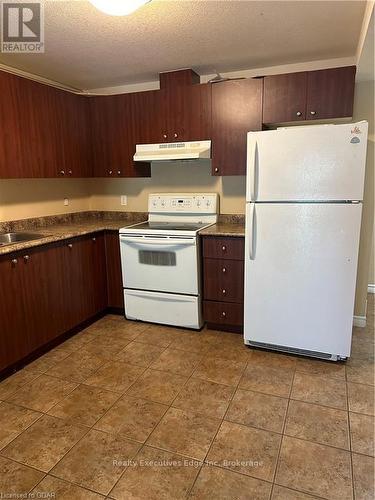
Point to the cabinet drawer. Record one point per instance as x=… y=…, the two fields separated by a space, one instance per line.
x=223 y=280
x=224 y=248
x=223 y=313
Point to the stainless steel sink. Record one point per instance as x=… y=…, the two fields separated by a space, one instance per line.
x=10 y=238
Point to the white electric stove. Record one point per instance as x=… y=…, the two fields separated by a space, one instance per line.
x=161 y=259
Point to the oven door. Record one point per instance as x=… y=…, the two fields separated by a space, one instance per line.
x=160 y=263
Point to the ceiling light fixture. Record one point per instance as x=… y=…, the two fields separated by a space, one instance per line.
x=118 y=7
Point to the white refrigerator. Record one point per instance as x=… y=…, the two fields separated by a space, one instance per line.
x=303 y=214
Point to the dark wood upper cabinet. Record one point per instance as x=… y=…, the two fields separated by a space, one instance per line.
x=330 y=93
x=44 y=131
x=117 y=122
x=311 y=95
x=186 y=112
x=236 y=110
x=284 y=97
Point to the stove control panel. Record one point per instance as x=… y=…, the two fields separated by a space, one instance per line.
x=191 y=203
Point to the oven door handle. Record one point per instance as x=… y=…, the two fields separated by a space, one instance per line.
x=158 y=241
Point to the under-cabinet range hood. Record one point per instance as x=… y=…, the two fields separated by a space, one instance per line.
x=173 y=151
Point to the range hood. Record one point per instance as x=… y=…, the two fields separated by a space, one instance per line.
x=173 y=151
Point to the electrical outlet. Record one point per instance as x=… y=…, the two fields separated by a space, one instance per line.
x=124 y=199
x=66 y=202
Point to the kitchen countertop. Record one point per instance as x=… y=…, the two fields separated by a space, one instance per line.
x=225 y=229
x=57 y=228
x=64 y=230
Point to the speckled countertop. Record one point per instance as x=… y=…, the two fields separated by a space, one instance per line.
x=227 y=225
x=57 y=228
x=64 y=227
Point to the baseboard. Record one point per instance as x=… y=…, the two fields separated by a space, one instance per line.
x=371 y=288
x=359 y=321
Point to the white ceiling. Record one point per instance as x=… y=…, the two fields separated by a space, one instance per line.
x=87 y=49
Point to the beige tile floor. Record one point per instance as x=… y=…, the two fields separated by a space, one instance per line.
x=134 y=411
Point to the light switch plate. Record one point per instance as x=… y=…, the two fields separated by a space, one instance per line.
x=124 y=199
x=66 y=202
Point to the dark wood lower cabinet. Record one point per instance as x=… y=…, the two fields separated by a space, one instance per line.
x=47 y=291
x=114 y=275
x=223 y=282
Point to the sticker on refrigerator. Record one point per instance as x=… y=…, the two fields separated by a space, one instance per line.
x=355 y=140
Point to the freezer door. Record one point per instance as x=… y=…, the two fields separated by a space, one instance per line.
x=300 y=275
x=317 y=162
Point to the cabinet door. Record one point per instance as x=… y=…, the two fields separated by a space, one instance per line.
x=97 y=276
x=148 y=110
x=11 y=164
x=74 y=135
x=189 y=113
x=84 y=262
x=236 y=110
x=284 y=98
x=43 y=294
x=330 y=93
x=114 y=273
x=14 y=338
x=114 y=135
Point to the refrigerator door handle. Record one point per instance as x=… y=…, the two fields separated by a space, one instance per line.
x=254 y=172
x=252 y=168
x=251 y=231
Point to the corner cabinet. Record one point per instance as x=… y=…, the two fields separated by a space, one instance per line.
x=47 y=291
x=44 y=131
x=309 y=95
x=236 y=110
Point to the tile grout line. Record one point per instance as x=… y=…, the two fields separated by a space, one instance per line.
x=218 y=429
x=282 y=435
x=148 y=437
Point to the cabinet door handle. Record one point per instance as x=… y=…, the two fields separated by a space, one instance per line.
x=312 y=113
x=224 y=291
x=223 y=314
x=94 y=239
x=164 y=136
x=224 y=248
x=216 y=170
x=118 y=172
x=110 y=172
x=14 y=262
x=26 y=258
x=175 y=135
x=70 y=172
x=70 y=245
x=299 y=113
x=62 y=172
x=224 y=270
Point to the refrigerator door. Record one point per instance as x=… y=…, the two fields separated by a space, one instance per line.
x=300 y=275
x=316 y=162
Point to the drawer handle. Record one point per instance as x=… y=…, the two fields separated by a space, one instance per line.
x=313 y=113
x=224 y=248
x=224 y=291
x=223 y=314
x=224 y=270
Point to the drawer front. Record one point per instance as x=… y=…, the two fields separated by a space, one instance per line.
x=224 y=248
x=223 y=280
x=223 y=313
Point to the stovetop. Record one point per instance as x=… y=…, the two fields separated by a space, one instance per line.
x=165 y=228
